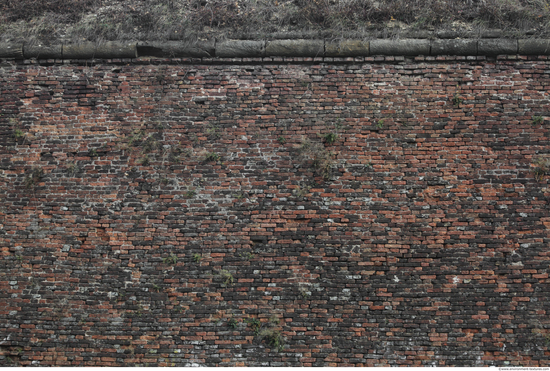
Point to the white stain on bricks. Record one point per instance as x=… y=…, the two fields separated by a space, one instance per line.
x=244 y=85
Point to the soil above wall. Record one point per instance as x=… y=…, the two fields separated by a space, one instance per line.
x=275 y=211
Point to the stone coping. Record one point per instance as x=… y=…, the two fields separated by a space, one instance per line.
x=279 y=48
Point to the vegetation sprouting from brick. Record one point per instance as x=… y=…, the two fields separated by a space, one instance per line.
x=44 y=21
x=389 y=212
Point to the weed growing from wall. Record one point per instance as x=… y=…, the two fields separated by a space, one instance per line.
x=239 y=196
x=150 y=144
x=301 y=192
x=247 y=255
x=211 y=157
x=457 y=100
x=540 y=167
x=34 y=177
x=144 y=161
x=172 y=259
x=318 y=157
x=273 y=338
x=227 y=277
x=19 y=135
x=72 y=168
x=537 y=120
x=135 y=138
x=213 y=132
x=190 y=193
x=232 y=323
x=175 y=154
x=330 y=138
x=305 y=294
x=254 y=324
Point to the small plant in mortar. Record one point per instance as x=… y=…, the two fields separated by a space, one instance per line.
x=239 y=196
x=457 y=100
x=72 y=168
x=330 y=138
x=247 y=255
x=541 y=168
x=19 y=134
x=305 y=294
x=255 y=324
x=211 y=157
x=34 y=177
x=320 y=157
x=212 y=131
x=197 y=257
x=161 y=76
x=537 y=120
x=273 y=338
x=190 y=193
x=136 y=138
x=274 y=320
x=172 y=259
x=301 y=192
x=227 y=277
x=144 y=160
x=232 y=323
x=150 y=144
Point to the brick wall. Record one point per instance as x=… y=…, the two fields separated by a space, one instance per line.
x=282 y=212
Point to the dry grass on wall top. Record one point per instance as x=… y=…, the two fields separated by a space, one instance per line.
x=97 y=20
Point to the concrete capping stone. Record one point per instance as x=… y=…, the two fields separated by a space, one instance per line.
x=240 y=48
x=534 y=46
x=497 y=47
x=108 y=50
x=454 y=47
x=78 y=51
x=43 y=51
x=176 y=49
x=111 y=50
x=11 y=51
x=299 y=48
x=295 y=48
x=400 y=47
x=347 y=48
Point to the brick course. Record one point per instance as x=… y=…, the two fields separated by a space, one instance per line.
x=165 y=212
